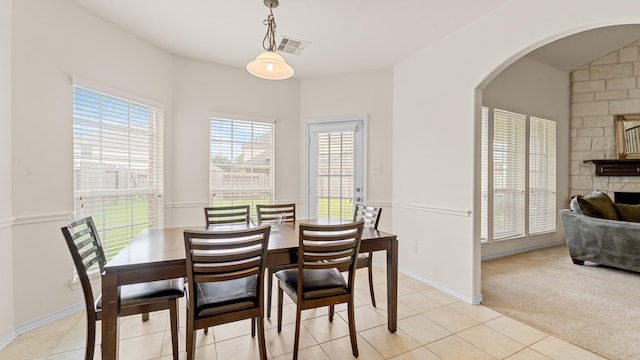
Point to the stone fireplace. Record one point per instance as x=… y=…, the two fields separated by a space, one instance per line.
x=607 y=87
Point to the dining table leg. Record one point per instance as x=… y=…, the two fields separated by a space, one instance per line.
x=110 y=309
x=392 y=286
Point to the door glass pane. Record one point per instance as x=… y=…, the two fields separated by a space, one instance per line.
x=335 y=175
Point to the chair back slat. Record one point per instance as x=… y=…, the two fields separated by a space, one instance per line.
x=272 y=212
x=224 y=243
x=227 y=214
x=369 y=214
x=82 y=241
x=343 y=264
x=88 y=255
x=202 y=264
x=225 y=276
x=224 y=257
x=81 y=232
x=321 y=246
x=91 y=262
x=328 y=256
x=214 y=256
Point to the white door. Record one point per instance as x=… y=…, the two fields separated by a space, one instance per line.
x=337 y=167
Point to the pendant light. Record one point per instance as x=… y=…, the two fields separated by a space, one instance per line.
x=269 y=65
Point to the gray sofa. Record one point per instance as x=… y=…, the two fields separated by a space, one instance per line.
x=608 y=242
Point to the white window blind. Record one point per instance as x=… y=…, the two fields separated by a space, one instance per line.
x=484 y=176
x=336 y=171
x=521 y=150
x=509 y=174
x=241 y=163
x=118 y=166
x=542 y=175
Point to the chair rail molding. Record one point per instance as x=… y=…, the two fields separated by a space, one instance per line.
x=455 y=212
x=381 y=204
x=43 y=218
x=7 y=222
x=288 y=201
x=199 y=204
x=185 y=204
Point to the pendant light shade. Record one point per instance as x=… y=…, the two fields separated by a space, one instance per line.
x=269 y=65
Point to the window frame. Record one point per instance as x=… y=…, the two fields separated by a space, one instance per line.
x=252 y=200
x=141 y=130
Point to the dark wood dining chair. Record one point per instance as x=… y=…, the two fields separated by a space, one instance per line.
x=87 y=252
x=317 y=282
x=225 y=280
x=216 y=215
x=270 y=214
x=221 y=215
x=371 y=217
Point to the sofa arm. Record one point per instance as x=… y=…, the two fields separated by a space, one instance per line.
x=608 y=242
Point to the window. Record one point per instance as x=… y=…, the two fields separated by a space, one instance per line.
x=542 y=175
x=241 y=163
x=509 y=155
x=484 y=176
x=118 y=166
x=520 y=152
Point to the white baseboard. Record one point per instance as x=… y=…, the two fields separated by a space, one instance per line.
x=474 y=300
x=33 y=324
x=7 y=338
x=522 y=250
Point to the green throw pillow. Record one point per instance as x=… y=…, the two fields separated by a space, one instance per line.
x=628 y=212
x=598 y=204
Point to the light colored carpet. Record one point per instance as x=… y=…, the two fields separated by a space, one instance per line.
x=592 y=306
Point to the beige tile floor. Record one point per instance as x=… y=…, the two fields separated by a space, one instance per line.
x=431 y=325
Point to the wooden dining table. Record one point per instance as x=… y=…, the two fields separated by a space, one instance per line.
x=158 y=254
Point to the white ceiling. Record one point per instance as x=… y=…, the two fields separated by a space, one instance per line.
x=582 y=48
x=346 y=35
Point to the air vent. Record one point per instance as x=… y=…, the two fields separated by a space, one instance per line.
x=292 y=46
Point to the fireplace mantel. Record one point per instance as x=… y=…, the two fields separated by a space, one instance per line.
x=616 y=167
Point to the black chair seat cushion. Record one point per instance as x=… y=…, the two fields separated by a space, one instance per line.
x=226 y=296
x=149 y=292
x=317 y=283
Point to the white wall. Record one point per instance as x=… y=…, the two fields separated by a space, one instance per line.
x=366 y=93
x=436 y=117
x=52 y=41
x=6 y=259
x=202 y=88
x=531 y=87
